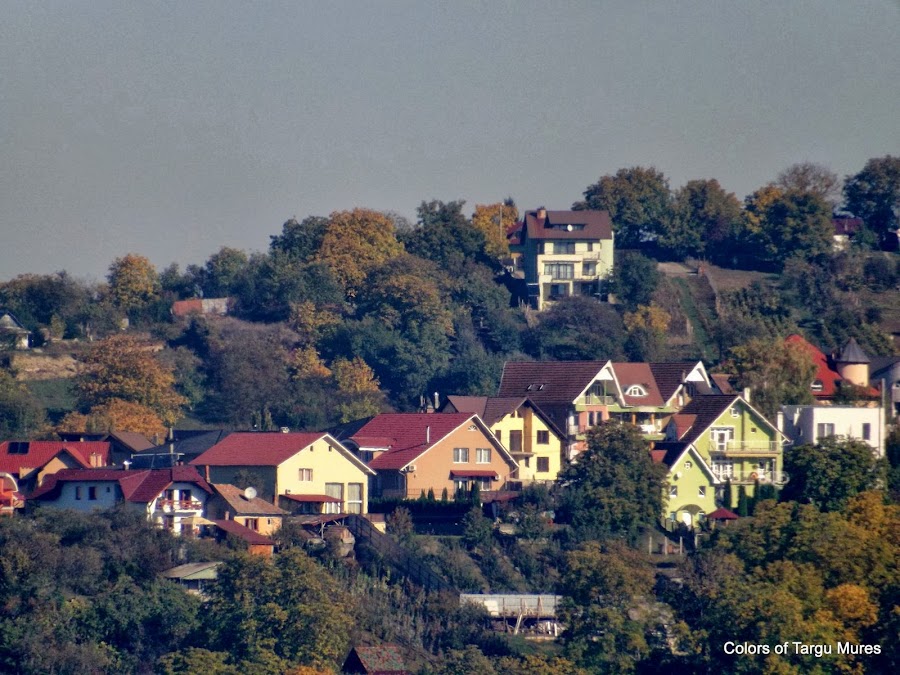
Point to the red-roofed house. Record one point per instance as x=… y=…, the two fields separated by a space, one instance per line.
x=204 y=306
x=309 y=472
x=417 y=452
x=173 y=498
x=848 y=367
x=29 y=462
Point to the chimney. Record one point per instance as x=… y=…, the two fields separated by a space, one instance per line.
x=437 y=400
x=746 y=394
x=428 y=434
x=779 y=421
x=228 y=515
x=542 y=213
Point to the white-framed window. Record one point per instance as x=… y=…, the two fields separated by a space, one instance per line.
x=823 y=430
x=723 y=469
x=560 y=270
x=589 y=269
x=701 y=491
x=484 y=484
x=305 y=475
x=460 y=455
x=673 y=491
x=817 y=386
x=635 y=390
x=482 y=455
x=461 y=485
x=354 y=497
x=720 y=436
x=335 y=490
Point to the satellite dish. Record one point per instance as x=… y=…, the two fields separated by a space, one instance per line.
x=250 y=493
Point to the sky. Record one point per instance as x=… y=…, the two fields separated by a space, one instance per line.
x=171 y=129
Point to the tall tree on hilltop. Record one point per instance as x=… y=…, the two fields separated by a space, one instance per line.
x=873 y=194
x=638 y=201
x=133 y=283
x=706 y=222
x=813 y=178
x=444 y=235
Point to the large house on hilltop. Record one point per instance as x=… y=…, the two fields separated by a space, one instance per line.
x=579 y=395
x=417 y=452
x=31 y=462
x=563 y=253
x=531 y=437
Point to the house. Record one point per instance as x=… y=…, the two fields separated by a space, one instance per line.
x=193 y=577
x=808 y=424
x=13 y=335
x=417 y=452
x=245 y=508
x=579 y=395
x=845 y=228
x=563 y=253
x=10 y=497
x=122 y=444
x=690 y=492
x=737 y=442
x=172 y=498
x=311 y=472
x=848 y=367
x=384 y=659
x=257 y=544
x=201 y=306
x=30 y=462
x=885 y=375
x=531 y=437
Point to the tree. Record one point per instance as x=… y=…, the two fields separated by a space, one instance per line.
x=493 y=220
x=357 y=388
x=813 y=178
x=706 y=222
x=634 y=280
x=445 y=236
x=399 y=523
x=301 y=240
x=116 y=415
x=638 y=201
x=830 y=472
x=133 y=283
x=777 y=372
x=125 y=368
x=578 y=328
x=647 y=328
x=21 y=415
x=354 y=243
x=223 y=271
x=614 y=488
x=873 y=194
x=477 y=530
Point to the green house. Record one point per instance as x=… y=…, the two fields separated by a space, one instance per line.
x=691 y=490
x=737 y=442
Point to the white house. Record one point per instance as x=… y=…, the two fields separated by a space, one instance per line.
x=807 y=424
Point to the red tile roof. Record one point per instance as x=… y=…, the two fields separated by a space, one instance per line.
x=825 y=374
x=250 y=536
x=37 y=453
x=597 y=225
x=256 y=449
x=722 y=514
x=138 y=486
x=474 y=473
x=411 y=434
x=629 y=374
x=315 y=499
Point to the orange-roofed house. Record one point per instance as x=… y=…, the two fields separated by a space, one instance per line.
x=299 y=472
x=413 y=453
x=30 y=462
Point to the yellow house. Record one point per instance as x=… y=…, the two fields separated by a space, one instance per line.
x=310 y=472
x=531 y=437
x=691 y=490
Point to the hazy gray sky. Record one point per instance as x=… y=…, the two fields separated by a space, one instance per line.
x=172 y=129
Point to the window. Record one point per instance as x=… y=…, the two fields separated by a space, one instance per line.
x=591 y=419
x=721 y=436
x=866 y=431
x=482 y=455
x=78 y=492
x=305 y=475
x=498 y=434
x=723 y=469
x=170 y=495
x=543 y=464
x=560 y=270
x=564 y=247
x=527 y=461
x=590 y=246
x=824 y=430
x=559 y=291
x=734 y=412
x=701 y=491
x=673 y=516
x=689 y=465
x=252 y=524
x=635 y=390
x=92 y=493
x=543 y=437
x=461 y=485
x=515 y=441
x=589 y=269
x=460 y=455
x=354 y=497
x=673 y=491
x=335 y=490
x=185 y=495
x=817 y=386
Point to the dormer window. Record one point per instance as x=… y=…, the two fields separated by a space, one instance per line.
x=635 y=390
x=817 y=386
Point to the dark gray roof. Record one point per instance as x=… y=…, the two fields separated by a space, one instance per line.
x=852 y=353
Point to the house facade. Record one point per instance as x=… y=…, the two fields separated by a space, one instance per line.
x=174 y=498
x=563 y=253
x=808 y=424
x=314 y=469
x=736 y=441
x=31 y=462
x=13 y=335
x=690 y=493
x=531 y=437
x=413 y=453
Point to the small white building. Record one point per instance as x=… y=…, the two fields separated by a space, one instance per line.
x=807 y=424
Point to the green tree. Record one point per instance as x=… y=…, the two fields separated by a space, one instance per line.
x=578 y=328
x=776 y=371
x=477 y=530
x=301 y=240
x=706 y=222
x=444 y=235
x=873 y=194
x=638 y=201
x=21 y=414
x=223 y=272
x=614 y=488
x=830 y=472
x=634 y=280
x=812 y=178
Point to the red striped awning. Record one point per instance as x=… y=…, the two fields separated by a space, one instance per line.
x=464 y=473
x=316 y=499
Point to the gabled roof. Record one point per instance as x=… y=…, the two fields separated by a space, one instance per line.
x=241 y=506
x=412 y=434
x=702 y=412
x=596 y=225
x=10 y=324
x=548 y=382
x=193 y=571
x=268 y=449
x=640 y=374
x=384 y=659
x=492 y=409
x=671 y=453
x=139 y=487
x=16 y=455
x=191 y=445
x=671 y=376
x=250 y=536
x=825 y=374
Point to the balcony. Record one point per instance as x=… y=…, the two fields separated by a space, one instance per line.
x=172 y=505
x=598 y=399
x=744 y=448
x=750 y=477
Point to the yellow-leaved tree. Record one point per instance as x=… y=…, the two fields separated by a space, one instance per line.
x=116 y=415
x=493 y=220
x=358 y=388
x=133 y=282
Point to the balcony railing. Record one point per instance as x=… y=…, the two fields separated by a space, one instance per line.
x=599 y=399
x=179 y=505
x=751 y=477
x=748 y=447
